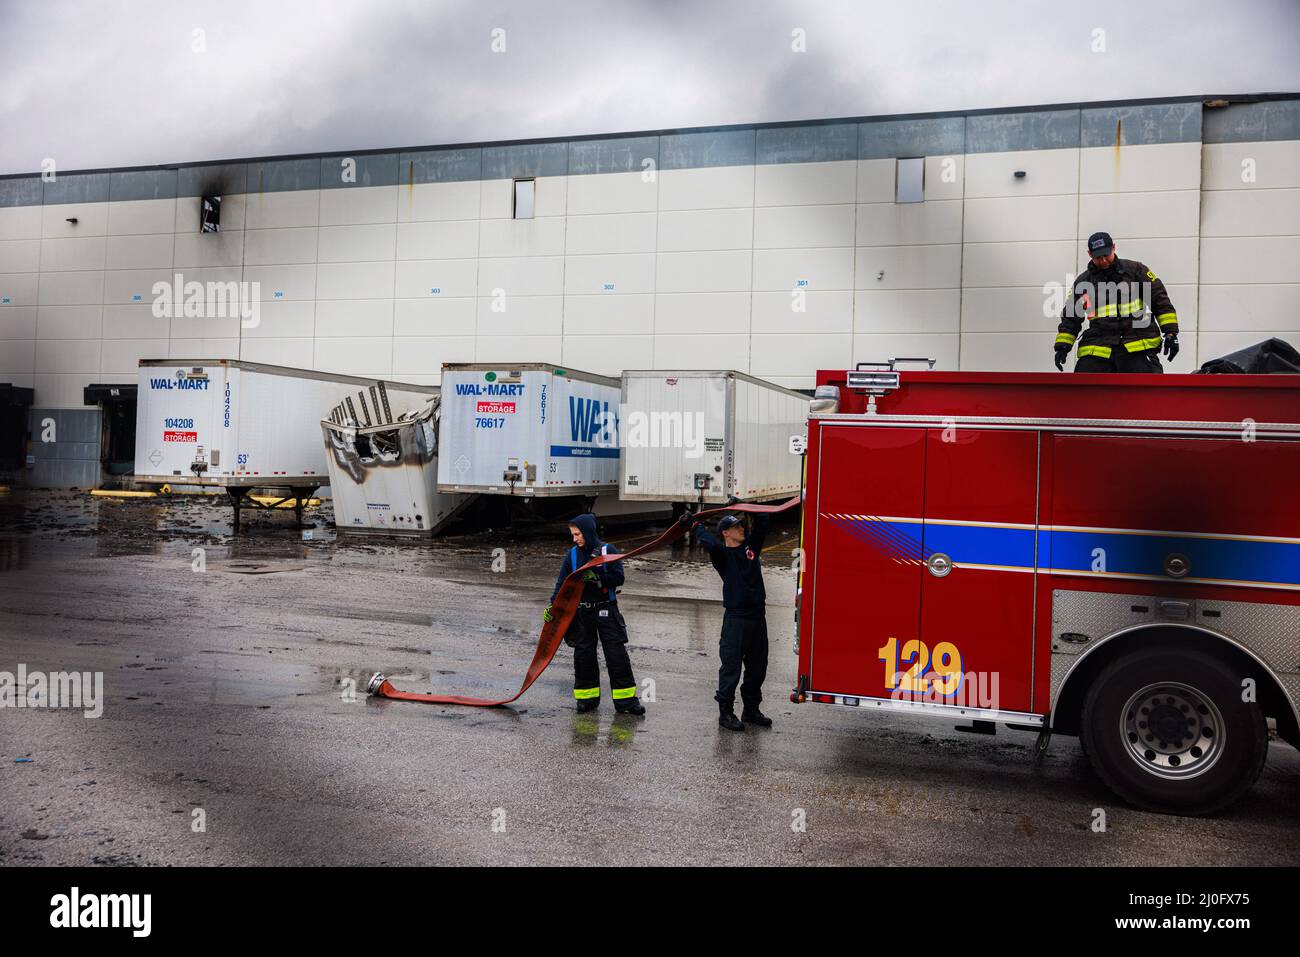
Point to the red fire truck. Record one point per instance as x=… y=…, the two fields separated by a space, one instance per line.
x=1115 y=557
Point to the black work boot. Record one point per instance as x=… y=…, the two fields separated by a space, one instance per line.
x=754 y=716
x=587 y=704
x=631 y=706
x=727 y=717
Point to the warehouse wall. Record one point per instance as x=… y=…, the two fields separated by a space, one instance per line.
x=1250 y=226
x=771 y=250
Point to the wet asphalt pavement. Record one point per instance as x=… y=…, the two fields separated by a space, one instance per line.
x=226 y=691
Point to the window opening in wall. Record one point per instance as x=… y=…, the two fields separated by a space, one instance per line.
x=210 y=214
x=524 y=194
x=909 y=186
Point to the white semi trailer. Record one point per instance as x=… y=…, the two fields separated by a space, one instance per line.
x=703 y=436
x=532 y=430
x=243 y=425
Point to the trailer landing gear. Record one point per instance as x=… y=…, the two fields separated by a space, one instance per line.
x=299 y=495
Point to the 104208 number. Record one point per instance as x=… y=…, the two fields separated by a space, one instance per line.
x=178 y=423
x=940 y=670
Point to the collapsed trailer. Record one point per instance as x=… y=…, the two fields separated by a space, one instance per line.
x=383 y=477
x=235 y=425
x=1110 y=556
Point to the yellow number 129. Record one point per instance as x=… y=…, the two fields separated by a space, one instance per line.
x=942 y=670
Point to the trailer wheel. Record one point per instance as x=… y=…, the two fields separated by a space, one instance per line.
x=1166 y=729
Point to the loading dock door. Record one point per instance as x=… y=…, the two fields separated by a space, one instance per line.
x=117 y=425
x=14 y=403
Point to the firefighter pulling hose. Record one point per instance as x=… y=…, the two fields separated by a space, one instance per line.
x=562 y=611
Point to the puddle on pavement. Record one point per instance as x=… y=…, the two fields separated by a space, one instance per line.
x=43 y=525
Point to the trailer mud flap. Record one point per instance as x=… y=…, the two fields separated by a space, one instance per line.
x=562 y=611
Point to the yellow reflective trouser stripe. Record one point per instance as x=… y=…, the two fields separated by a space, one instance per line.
x=1065 y=337
x=1138 y=345
x=1167 y=317
x=583 y=694
x=618 y=693
x=1102 y=352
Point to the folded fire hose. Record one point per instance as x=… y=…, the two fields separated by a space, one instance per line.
x=562 y=611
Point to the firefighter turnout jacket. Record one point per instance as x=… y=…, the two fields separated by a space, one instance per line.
x=1124 y=306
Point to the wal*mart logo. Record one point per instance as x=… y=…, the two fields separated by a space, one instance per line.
x=591 y=421
x=182 y=383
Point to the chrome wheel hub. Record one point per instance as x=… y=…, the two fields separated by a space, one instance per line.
x=1172 y=730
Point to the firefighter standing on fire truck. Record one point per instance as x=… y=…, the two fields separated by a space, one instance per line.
x=1125 y=333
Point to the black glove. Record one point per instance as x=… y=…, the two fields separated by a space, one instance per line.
x=686 y=518
x=1062 y=352
x=1170 y=347
x=732 y=500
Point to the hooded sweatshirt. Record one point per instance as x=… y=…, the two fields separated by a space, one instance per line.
x=608 y=576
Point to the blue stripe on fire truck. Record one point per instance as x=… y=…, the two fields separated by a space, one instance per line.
x=1234 y=561
x=1115 y=553
x=999 y=546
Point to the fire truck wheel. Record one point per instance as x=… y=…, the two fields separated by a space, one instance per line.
x=1166 y=730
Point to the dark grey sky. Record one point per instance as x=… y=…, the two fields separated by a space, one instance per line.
x=95 y=83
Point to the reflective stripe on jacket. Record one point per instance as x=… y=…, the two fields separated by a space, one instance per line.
x=1126 y=305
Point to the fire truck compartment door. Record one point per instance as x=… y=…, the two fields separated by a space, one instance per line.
x=977 y=594
x=867 y=558
x=1182 y=511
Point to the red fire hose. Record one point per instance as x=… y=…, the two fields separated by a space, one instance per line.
x=562 y=611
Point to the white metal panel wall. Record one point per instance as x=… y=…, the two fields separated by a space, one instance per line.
x=1249 y=245
x=625 y=270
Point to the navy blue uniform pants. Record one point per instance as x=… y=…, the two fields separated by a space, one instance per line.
x=743 y=646
x=1121 y=360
